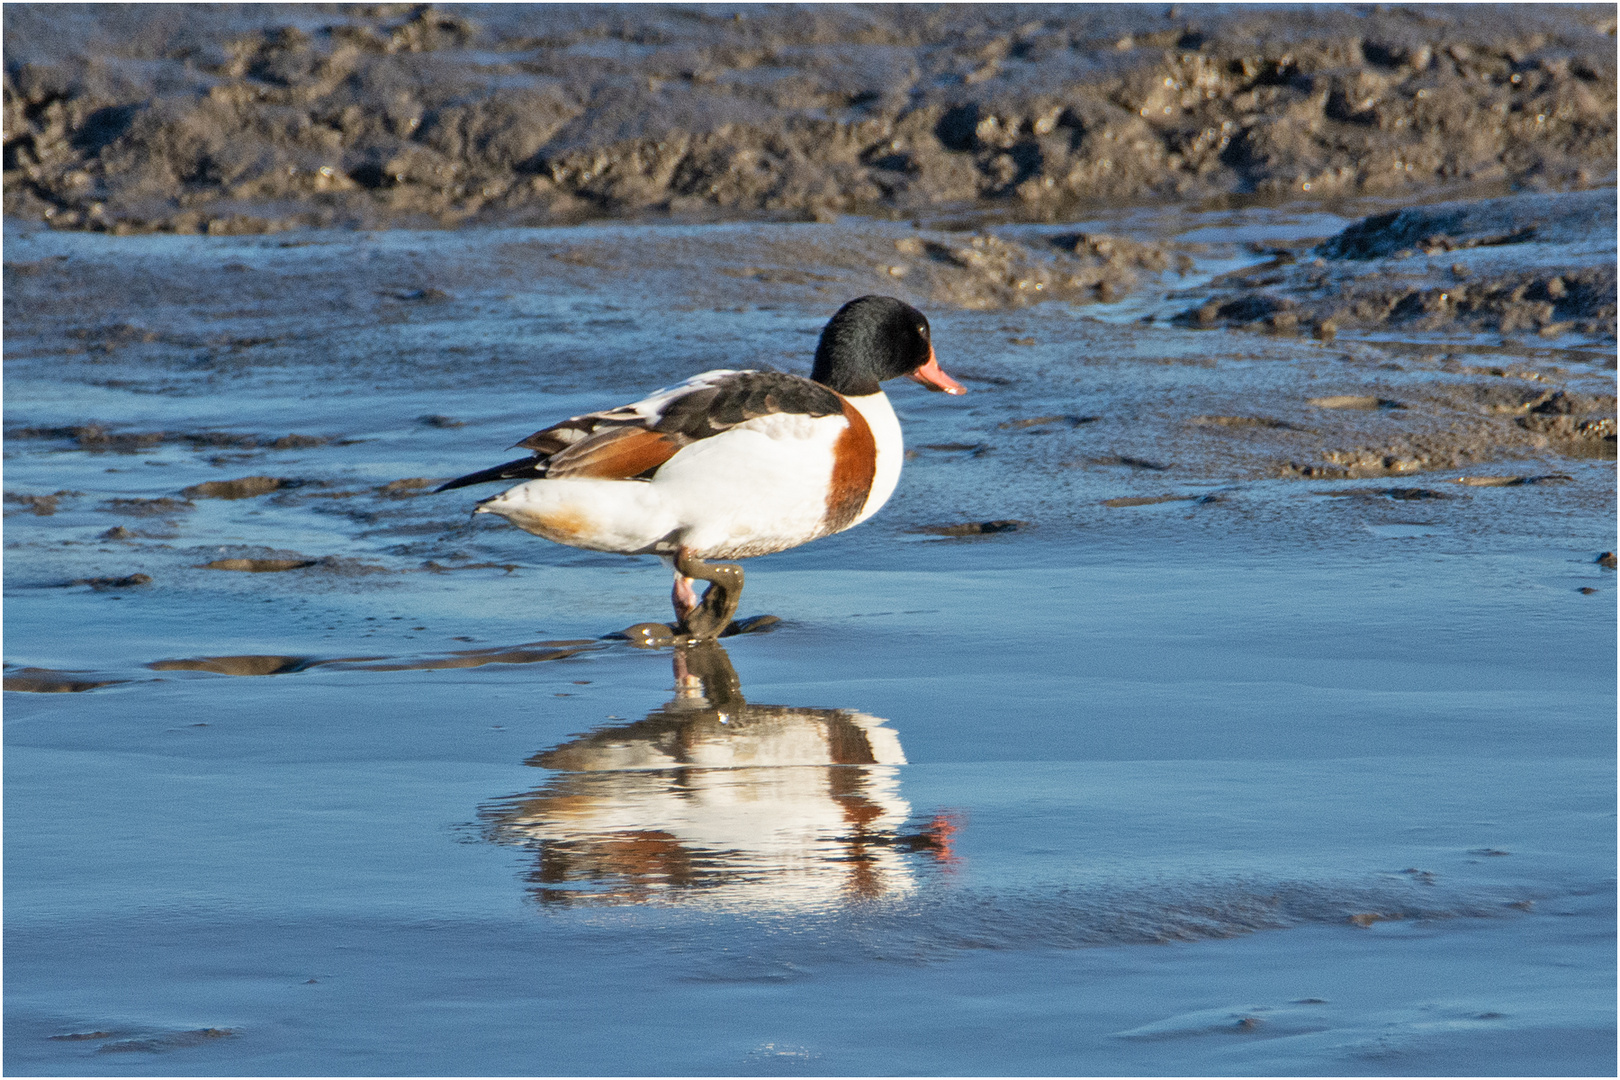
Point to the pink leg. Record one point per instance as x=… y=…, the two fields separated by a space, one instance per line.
x=684 y=597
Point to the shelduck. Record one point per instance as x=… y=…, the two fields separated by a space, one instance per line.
x=728 y=464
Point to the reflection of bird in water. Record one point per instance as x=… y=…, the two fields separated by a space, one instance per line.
x=714 y=796
x=729 y=464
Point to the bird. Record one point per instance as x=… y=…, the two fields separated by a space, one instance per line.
x=729 y=464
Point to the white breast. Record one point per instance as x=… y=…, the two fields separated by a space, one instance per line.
x=758 y=488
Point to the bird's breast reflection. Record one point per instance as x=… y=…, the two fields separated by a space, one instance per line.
x=717 y=799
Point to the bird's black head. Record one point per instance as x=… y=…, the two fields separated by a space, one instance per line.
x=875 y=338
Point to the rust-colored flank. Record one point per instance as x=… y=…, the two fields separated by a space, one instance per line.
x=854 y=466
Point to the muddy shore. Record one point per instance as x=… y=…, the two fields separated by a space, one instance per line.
x=1449 y=337
x=233 y=120
x=1227 y=687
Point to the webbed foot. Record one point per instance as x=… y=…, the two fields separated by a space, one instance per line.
x=714 y=612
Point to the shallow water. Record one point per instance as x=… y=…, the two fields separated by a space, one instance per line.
x=1257 y=780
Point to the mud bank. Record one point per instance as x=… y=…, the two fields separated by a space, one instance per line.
x=244 y=120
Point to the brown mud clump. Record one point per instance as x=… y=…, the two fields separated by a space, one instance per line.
x=271 y=561
x=103 y=583
x=172 y=1040
x=96 y=438
x=40 y=505
x=237 y=665
x=260 y=566
x=245 y=488
x=31 y=680
x=163 y=507
x=409 y=487
x=1354 y=401
x=1543 y=265
x=228 y=121
x=974 y=528
x=1154 y=500
x=1514 y=481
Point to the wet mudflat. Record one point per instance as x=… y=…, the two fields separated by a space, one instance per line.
x=1217 y=694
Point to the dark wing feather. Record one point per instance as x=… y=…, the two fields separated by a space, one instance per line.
x=528 y=468
x=559 y=436
x=630 y=443
x=745 y=396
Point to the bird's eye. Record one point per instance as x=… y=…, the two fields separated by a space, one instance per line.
x=923 y=330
